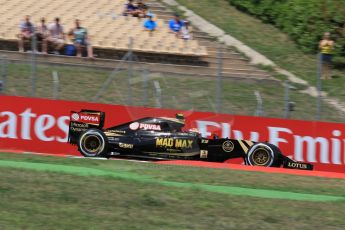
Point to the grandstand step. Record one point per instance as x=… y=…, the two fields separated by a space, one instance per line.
x=229 y=60
x=149 y=57
x=138 y=66
x=226 y=60
x=213 y=50
x=231 y=65
x=226 y=54
x=202 y=37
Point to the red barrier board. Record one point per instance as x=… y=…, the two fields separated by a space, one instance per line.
x=41 y=125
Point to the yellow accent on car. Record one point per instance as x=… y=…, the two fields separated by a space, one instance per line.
x=244 y=147
x=250 y=143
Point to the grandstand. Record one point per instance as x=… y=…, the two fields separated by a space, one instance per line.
x=110 y=33
x=107 y=28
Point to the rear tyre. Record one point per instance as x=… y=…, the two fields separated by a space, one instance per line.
x=263 y=154
x=93 y=143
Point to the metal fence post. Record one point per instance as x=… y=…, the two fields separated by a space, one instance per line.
x=33 y=66
x=111 y=77
x=219 y=80
x=319 y=86
x=56 y=84
x=145 y=87
x=259 y=105
x=130 y=71
x=158 y=91
x=286 y=100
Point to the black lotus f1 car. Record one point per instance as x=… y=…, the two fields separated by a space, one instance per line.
x=163 y=138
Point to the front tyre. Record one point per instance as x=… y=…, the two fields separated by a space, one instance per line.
x=263 y=154
x=93 y=143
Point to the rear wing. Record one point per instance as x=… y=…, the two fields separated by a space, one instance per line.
x=82 y=121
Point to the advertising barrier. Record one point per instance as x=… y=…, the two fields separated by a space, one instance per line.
x=41 y=125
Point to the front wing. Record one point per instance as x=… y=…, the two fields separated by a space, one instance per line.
x=291 y=164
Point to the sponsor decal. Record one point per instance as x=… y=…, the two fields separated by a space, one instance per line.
x=79 y=125
x=134 y=126
x=86 y=118
x=110 y=138
x=116 y=131
x=75 y=117
x=28 y=125
x=297 y=165
x=78 y=129
x=204 y=141
x=173 y=150
x=89 y=118
x=150 y=127
x=203 y=154
x=137 y=125
x=176 y=143
x=228 y=146
x=126 y=146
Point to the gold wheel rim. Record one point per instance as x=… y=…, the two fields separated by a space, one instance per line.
x=92 y=143
x=261 y=157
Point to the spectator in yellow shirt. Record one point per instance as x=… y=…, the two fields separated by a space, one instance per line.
x=326 y=46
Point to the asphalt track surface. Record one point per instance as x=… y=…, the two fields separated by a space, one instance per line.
x=230 y=190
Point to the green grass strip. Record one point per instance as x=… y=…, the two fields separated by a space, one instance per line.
x=85 y=171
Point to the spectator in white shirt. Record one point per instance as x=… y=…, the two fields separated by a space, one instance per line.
x=186 y=31
x=57 y=36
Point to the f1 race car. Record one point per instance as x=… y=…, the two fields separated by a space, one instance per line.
x=163 y=138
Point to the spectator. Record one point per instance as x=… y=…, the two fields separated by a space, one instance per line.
x=26 y=32
x=150 y=24
x=175 y=25
x=186 y=31
x=80 y=39
x=131 y=9
x=42 y=34
x=142 y=8
x=326 y=46
x=56 y=35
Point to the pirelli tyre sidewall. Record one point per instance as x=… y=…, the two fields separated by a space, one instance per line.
x=263 y=154
x=93 y=143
